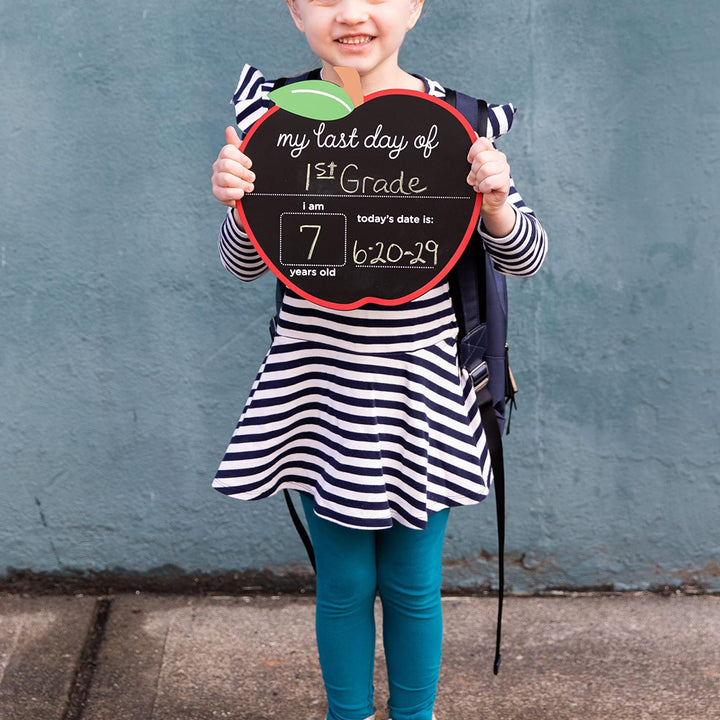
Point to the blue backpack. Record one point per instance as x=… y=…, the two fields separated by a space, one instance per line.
x=479 y=294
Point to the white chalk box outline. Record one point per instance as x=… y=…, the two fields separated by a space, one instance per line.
x=314 y=264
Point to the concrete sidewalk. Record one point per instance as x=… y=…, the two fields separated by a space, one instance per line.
x=145 y=657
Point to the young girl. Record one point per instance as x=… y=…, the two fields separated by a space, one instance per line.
x=366 y=412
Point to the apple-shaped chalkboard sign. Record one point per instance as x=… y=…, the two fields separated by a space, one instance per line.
x=359 y=204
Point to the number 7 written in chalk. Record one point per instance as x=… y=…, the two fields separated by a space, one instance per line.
x=315 y=239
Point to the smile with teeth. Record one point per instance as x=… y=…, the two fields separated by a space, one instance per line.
x=357 y=40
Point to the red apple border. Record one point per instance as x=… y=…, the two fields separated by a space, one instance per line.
x=371 y=299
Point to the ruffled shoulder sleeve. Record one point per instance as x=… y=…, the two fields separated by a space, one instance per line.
x=251 y=98
x=500 y=120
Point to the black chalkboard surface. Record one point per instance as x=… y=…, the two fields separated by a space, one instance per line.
x=373 y=207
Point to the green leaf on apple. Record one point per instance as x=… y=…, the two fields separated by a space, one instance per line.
x=315 y=99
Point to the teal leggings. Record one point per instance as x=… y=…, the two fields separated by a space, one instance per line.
x=404 y=567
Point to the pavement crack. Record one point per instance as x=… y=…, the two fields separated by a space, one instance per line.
x=87 y=662
x=162 y=660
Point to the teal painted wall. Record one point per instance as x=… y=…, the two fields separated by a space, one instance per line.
x=126 y=351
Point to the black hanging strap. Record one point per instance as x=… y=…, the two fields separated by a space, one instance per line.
x=279 y=291
x=470 y=285
x=494 y=441
x=302 y=532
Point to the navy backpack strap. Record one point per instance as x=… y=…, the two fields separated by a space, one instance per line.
x=474 y=110
x=470 y=294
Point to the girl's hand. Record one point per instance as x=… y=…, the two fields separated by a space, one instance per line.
x=490 y=175
x=232 y=176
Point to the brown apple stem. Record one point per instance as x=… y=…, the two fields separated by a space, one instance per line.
x=351 y=84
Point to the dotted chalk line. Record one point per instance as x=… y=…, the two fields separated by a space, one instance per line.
x=350 y=197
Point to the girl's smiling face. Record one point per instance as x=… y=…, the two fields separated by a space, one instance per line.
x=362 y=34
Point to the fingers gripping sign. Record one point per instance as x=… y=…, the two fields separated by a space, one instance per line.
x=232 y=176
x=489 y=175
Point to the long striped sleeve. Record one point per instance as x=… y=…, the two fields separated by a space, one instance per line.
x=237 y=253
x=523 y=251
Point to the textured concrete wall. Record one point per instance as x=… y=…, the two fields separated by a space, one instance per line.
x=126 y=351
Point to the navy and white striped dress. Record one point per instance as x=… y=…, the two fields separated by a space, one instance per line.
x=365 y=410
